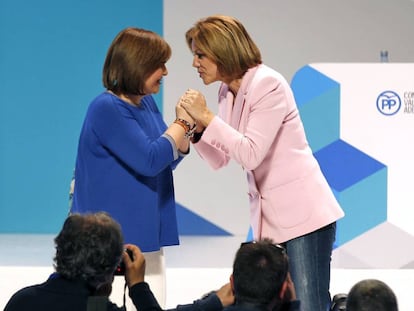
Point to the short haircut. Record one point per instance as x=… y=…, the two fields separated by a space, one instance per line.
x=226 y=42
x=259 y=271
x=132 y=57
x=371 y=295
x=88 y=248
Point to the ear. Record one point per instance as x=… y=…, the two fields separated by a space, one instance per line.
x=283 y=289
x=232 y=283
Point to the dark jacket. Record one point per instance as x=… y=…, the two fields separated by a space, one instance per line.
x=144 y=300
x=58 y=293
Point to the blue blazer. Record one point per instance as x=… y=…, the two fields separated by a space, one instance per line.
x=124 y=167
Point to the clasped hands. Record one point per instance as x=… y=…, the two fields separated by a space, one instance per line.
x=193 y=108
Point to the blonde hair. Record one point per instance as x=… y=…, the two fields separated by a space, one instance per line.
x=225 y=41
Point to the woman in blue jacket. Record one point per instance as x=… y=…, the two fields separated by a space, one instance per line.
x=126 y=151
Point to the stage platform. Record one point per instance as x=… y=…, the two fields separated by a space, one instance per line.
x=197 y=266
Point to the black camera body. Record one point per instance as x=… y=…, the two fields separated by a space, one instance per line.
x=120 y=269
x=339 y=302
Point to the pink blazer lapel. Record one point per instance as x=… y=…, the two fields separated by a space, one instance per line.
x=237 y=110
x=225 y=104
x=240 y=102
x=232 y=113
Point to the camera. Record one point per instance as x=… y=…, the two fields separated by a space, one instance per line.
x=120 y=269
x=339 y=302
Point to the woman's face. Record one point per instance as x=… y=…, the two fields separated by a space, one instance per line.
x=153 y=83
x=206 y=68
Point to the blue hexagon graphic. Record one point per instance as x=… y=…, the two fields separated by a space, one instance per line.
x=315 y=93
x=358 y=181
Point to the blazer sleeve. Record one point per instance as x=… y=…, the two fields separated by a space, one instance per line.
x=215 y=157
x=138 y=146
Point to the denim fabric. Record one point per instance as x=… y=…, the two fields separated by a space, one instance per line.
x=310 y=261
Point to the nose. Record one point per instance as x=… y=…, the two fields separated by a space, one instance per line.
x=164 y=71
x=196 y=63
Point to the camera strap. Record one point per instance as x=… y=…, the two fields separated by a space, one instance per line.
x=124 y=298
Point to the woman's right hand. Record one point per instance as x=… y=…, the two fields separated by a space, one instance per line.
x=181 y=113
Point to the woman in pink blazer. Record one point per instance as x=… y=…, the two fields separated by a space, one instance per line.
x=258 y=125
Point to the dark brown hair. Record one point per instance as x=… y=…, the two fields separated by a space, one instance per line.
x=132 y=57
x=371 y=294
x=88 y=248
x=259 y=270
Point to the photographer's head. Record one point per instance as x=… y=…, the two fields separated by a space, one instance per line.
x=88 y=248
x=260 y=271
x=371 y=295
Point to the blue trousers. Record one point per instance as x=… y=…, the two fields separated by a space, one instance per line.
x=310 y=267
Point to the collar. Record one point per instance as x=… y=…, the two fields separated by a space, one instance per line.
x=58 y=283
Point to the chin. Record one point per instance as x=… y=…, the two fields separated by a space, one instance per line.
x=207 y=82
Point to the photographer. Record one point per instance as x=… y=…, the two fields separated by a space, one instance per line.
x=89 y=249
x=260 y=282
x=366 y=295
x=371 y=295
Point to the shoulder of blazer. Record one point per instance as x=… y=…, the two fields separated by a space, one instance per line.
x=262 y=80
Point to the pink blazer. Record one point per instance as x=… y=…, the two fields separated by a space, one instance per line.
x=263 y=132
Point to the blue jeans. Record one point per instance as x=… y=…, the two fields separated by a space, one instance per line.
x=310 y=267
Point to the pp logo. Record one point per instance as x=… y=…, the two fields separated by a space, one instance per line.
x=388 y=103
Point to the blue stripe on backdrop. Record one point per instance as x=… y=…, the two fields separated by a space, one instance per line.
x=51 y=57
x=190 y=223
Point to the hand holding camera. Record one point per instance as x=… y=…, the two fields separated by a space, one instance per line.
x=132 y=265
x=120 y=269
